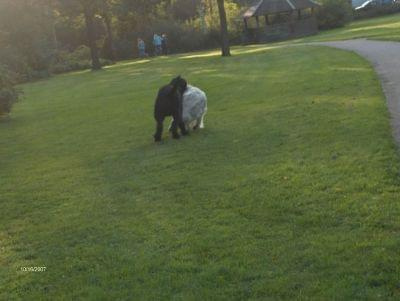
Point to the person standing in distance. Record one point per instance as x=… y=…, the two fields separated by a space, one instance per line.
x=164 y=44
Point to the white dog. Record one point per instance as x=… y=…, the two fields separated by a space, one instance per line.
x=194 y=107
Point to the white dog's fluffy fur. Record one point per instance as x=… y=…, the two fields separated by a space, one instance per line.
x=194 y=107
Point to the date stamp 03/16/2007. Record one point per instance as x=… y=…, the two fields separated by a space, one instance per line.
x=33 y=269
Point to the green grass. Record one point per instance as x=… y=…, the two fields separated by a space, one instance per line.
x=290 y=192
x=378 y=28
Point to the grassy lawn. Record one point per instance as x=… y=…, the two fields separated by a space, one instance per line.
x=290 y=192
x=379 y=28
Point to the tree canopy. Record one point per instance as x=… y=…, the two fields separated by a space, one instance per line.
x=40 y=37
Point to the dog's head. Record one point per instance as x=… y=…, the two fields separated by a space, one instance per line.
x=179 y=84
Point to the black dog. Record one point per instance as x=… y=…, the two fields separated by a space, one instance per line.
x=169 y=103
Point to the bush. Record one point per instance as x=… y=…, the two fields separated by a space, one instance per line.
x=8 y=94
x=76 y=60
x=184 y=35
x=378 y=11
x=69 y=61
x=334 y=13
x=124 y=48
x=20 y=68
x=15 y=63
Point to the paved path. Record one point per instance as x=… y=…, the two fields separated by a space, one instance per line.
x=385 y=57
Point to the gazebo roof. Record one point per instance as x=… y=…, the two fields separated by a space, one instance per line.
x=265 y=7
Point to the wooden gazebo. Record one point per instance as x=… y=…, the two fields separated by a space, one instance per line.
x=270 y=20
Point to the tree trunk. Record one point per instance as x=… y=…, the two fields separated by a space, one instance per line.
x=202 y=15
x=224 y=29
x=49 y=14
x=210 y=6
x=109 y=39
x=54 y=36
x=91 y=36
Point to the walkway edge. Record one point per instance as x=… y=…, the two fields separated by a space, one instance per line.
x=385 y=58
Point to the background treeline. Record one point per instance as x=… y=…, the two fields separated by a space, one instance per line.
x=378 y=11
x=337 y=13
x=41 y=37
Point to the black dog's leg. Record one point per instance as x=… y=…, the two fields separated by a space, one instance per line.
x=174 y=128
x=159 y=130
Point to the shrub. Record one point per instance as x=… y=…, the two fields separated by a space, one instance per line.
x=8 y=94
x=378 y=11
x=334 y=13
x=195 y=33
x=15 y=64
x=182 y=37
x=76 y=60
x=124 y=48
x=20 y=68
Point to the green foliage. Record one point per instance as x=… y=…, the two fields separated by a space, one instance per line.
x=40 y=37
x=25 y=38
x=378 y=11
x=193 y=29
x=186 y=37
x=211 y=16
x=334 y=13
x=381 y=28
x=76 y=60
x=16 y=64
x=8 y=94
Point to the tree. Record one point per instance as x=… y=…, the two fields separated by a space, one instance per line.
x=88 y=8
x=40 y=37
x=8 y=94
x=109 y=42
x=334 y=13
x=224 y=29
x=88 y=12
x=25 y=38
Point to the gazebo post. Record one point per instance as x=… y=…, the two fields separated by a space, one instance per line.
x=245 y=23
x=266 y=20
x=299 y=14
x=258 y=22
